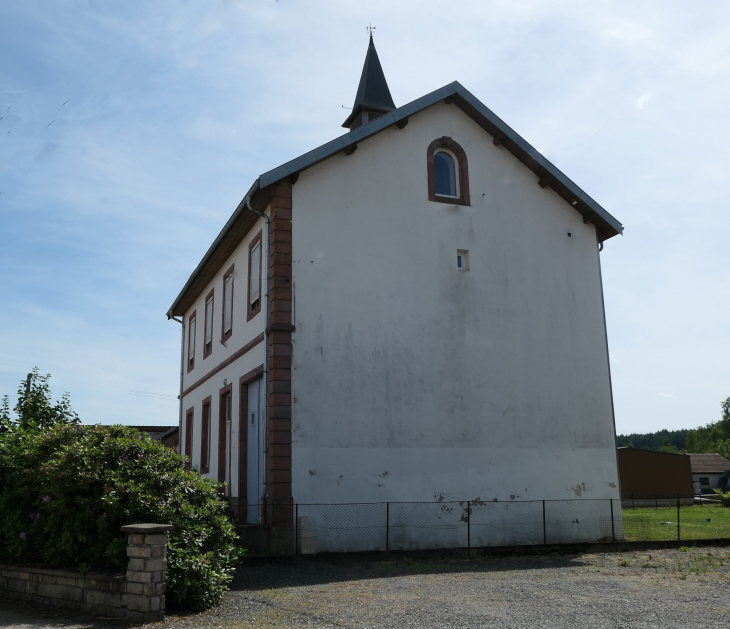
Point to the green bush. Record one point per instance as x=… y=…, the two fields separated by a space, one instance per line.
x=724 y=498
x=65 y=492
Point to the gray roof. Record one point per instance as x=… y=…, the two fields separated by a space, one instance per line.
x=373 y=92
x=454 y=93
x=708 y=463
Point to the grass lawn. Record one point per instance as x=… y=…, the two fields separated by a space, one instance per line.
x=646 y=524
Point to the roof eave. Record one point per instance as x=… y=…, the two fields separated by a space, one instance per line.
x=606 y=225
x=211 y=250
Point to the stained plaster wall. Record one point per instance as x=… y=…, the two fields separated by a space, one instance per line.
x=414 y=381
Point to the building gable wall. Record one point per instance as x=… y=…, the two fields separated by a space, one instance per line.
x=412 y=380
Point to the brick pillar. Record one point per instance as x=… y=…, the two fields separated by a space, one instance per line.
x=279 y=499
x=145 y=588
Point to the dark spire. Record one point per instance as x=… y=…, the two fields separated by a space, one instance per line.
x=373 y=96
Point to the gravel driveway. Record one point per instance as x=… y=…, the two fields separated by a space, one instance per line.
x=662 y=588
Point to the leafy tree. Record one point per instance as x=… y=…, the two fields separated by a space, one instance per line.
x=714 y=437
x=668 y=447
x=35 y=408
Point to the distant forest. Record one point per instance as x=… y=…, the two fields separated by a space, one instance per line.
x=715 y=437
x=654 y=440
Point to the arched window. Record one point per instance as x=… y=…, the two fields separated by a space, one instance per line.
x=444 y=169
x=448 y=174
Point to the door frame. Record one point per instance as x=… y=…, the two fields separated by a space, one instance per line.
x=243 y=383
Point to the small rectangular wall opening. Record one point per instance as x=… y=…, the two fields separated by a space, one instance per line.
x=462 y=260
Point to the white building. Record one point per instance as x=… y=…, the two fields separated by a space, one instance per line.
x=709 y=472
x=433 y=318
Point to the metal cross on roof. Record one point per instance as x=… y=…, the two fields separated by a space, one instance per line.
x=370 y=28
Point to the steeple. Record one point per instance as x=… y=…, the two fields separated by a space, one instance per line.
x=373 y=96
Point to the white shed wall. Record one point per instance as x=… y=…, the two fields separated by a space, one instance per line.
x=414 y=381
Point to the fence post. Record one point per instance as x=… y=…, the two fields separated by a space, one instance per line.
x=468 y=524
x=678 y=535
x=613 y=527
x=544 y=527
x=265 y=516
x=145 y=580
x=387 y=527
x=296 y=529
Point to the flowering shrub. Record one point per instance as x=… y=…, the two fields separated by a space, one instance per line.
x=65 y=493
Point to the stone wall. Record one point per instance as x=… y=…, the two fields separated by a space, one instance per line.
x=138 y=595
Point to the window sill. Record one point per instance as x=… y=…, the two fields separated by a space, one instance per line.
x=440 y=198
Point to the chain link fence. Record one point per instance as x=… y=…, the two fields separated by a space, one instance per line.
x=387 y=526
x=663 y=518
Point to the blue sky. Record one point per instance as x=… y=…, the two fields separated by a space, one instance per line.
x=131 y=130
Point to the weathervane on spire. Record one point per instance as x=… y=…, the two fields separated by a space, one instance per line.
x=370 y=28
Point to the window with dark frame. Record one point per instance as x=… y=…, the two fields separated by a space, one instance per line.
x=444 y=169
x=704 y=480
x=227 y=324
x=208 y=338
x=189 y=419
x=191 y=342
x=254 y=277
x=205 y=437
x=224 y=430
x=447 y=172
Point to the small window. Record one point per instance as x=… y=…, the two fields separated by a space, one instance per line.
x=462 y=259
x=705 y=480
x=191 y=342
x=445 y=174
x=227 y=327
x=254 y=277
x=205 y=438
x=448 y=172
x=208 y=340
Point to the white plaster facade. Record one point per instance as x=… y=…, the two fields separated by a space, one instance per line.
x=413 y=381
x=243 y=332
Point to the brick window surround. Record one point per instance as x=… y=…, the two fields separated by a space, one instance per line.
x=227 y=306
x=208 y=347
x=251 y=313
x=462 y=166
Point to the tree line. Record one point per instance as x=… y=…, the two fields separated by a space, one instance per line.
x=714 y=437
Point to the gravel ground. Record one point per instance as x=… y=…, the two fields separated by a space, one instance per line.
x=666 y=588
x=660 y=588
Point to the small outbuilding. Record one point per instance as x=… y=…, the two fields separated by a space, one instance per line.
x=709 y=472
x=648 y=476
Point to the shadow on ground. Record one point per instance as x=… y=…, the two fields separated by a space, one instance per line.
x=24 y=615
x=260 y=574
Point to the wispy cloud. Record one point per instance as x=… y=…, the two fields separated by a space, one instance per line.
x=173 y=109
